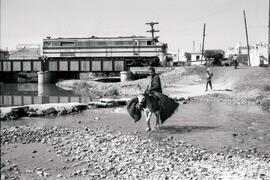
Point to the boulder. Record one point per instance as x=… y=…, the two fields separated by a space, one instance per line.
x=265 y=103
x=50 y=111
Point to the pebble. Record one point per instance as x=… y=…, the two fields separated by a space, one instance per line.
x=59 y=175
x=100 y=153
x=45 y=174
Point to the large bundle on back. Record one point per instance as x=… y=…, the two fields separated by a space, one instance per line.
x=169 y=106
x=133 y=111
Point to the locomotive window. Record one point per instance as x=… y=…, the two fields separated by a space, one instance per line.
x=142 y=43
x=128 y=43
x=149 y=42
x=109 y=43
x=119 y=43
x=83 y=44
x=55 y=43
x=67 y=43
x=123 y=43
x=101 y=43
x=46 y=44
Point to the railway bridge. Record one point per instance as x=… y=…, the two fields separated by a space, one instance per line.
x=59 y=68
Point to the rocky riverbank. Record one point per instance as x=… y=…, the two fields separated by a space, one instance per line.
x=36 y=110
x=101 y=153
x=58 y=109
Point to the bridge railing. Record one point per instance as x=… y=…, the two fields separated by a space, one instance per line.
x=20 y=65
x=84 y=65
x=20 y=100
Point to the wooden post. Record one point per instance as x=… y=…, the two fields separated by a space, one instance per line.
x=269 y=37
x=178 y=55
x=203 y=42
x=247 y=37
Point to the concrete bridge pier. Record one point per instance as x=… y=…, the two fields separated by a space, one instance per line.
x=125 y=76
x=45 y=77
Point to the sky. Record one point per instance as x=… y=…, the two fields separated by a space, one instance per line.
x=180 y=21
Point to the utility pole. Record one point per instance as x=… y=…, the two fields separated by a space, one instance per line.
x=0 y=23
x=152 y=28
x=178 y=55
x=203 y=42
x=193 y=46
x=269 y=37
x=247 y=37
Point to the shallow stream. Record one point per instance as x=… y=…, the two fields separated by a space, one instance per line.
x=209 y=125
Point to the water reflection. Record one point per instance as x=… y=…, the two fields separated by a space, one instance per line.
x=17 y=94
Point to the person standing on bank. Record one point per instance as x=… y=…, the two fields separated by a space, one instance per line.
x=209 y=76
x=235 y=63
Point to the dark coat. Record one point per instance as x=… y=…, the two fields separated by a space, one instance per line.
x=155 y=84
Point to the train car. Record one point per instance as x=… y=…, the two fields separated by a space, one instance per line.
x=134 y=50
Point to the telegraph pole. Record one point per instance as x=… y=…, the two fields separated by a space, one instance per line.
x=0 y=23
x=203 y=42
x=269 y=37
x=152 y=28
x=178 y=55
x=247 y=37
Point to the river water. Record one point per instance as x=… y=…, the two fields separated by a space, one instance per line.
x=210 y=125
x=17 y=94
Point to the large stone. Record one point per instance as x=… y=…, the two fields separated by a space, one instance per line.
x=49 y=111
x=265 y=103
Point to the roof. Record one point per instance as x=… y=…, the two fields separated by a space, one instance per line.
x=2 y=50
x=195 y=52
x=25 y=53
x=99 y=38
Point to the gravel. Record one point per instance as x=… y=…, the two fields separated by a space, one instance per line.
x=102 y=153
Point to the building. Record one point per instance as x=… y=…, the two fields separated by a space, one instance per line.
x=181 y=58
x=196 y=58
x=25 y=51
x=4 y=55
x=258 y=54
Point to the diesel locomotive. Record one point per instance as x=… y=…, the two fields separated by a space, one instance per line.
x=134 y=50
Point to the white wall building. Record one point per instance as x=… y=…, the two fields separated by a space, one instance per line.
x=258 y=53
x=197 y=59
x=258 y=56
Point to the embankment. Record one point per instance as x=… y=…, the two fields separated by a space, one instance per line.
x=234 y=86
